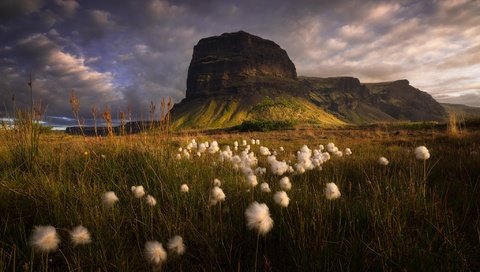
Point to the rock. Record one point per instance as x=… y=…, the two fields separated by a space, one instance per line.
x=236 y=63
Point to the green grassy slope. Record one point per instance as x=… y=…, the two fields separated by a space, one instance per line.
x=222 y=113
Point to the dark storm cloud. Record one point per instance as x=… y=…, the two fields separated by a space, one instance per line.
x=10 y=9
x=132 y=53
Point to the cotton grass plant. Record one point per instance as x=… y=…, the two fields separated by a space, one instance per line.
x=423 y=154
x=80 y=236
x=258 y=218
x=44 y=239
x=155 y=254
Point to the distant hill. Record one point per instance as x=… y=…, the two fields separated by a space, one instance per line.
x=462 y=111
x=237 y=76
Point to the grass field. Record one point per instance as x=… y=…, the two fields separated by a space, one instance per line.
x=409 y=215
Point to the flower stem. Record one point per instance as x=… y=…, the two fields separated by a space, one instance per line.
x=256 y=252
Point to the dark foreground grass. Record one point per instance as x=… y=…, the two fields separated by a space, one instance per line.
x=384 y=220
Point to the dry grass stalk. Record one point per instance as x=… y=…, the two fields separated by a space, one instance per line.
x=75 y=104
x=107 y=115
x=94 y=111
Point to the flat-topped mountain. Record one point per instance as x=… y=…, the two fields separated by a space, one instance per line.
x=238 y=76
x=235 y=63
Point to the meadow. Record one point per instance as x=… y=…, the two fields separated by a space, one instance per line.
x=407 y=215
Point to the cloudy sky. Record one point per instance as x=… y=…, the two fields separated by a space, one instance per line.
x=128 y=53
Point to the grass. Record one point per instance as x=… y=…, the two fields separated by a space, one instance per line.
x=220 y=113
x=382 y=221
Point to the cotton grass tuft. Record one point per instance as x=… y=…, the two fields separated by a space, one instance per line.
x=151 y=201
x=44 y=239
x=155 y=253
x=265 y=188
x=383 y=161
x=252 y=180
x=258 y=218
x=216 y=195
x=176 y=245
x=331 y=191
x=281 y=198
x=285 y=184
x=422 y=153
x=80 y=236
x=184 y=188
x=109 y=199
x=138 y=191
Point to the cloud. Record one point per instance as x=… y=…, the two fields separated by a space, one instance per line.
x=69 y=7
x=466 y=58
x=57 y=72
x=96 y=25
x=10 y=9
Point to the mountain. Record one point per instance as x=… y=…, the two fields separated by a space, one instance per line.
x=238 y=76
x=462 y=111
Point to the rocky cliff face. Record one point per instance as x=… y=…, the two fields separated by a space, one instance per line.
x=386 y=101
x=236 y=63
x=231 y=74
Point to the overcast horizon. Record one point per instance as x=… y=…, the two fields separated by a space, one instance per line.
x=130 y=53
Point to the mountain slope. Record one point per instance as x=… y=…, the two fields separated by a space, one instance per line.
x=222 y=112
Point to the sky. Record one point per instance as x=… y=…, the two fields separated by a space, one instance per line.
x=124 y=54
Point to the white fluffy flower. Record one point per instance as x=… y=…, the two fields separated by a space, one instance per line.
x=264 y=151
x=285 y=184
x=265 y=188
x=281 y=148
x=383 y=161
x=80 y=236
x=348 y=151
x=216 y=195
x=331 y=191
x=109 y=199
x=186 y=154
x=155 y=253
x=281 y=198
x=260 y=171
x=202 y=147
x=422 y=153
x=138 y=191
x=44 y=239
x=257 y=142
x=332 y=148
x=176 y=245
x=217 y=182
x=151 y=201
x=258 y=218
x=252 y=180
x=213 y=147
x=184 y=188
x=277 y=167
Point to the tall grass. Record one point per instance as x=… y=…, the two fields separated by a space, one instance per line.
x=382 y=221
